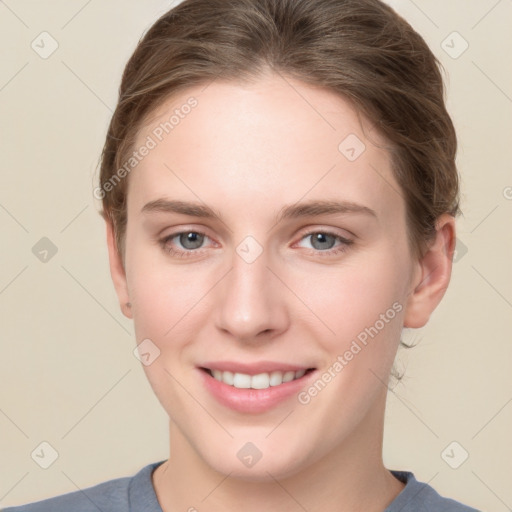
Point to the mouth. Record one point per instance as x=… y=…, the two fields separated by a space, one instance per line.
x=256 y=387
x=262 y=380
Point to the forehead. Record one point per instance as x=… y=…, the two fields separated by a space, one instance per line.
x=277 y=139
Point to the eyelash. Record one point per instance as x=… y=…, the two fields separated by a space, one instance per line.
x=345 y=243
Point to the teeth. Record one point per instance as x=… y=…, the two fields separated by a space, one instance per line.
x=240 y=380
x=288 y=376
x=276 y=378
x=260 y=381
x=227 y=377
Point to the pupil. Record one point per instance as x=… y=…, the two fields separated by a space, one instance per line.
x=191 y=240
x=321 y=239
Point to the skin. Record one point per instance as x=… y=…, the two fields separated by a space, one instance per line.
x=247 y=151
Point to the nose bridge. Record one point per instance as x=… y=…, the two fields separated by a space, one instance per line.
x=250 y=303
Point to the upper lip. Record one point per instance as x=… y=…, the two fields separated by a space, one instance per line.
x=253 y=368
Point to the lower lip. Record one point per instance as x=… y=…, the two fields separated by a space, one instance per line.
x=253 y=400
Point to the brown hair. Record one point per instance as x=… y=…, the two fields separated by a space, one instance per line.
x=359 y=49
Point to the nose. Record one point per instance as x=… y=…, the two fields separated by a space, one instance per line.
x=251 y=302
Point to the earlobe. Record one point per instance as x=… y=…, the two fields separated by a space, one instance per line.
x=118 y=272
x=434 y=271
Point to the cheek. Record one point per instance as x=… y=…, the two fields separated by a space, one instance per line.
x=353 y=296
x=358 y=310
x=165 y=300
x=363 y=305
x=163 y=294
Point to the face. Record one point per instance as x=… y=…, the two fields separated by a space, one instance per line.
x=266 y=241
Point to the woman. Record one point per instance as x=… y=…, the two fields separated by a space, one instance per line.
x=279 y=189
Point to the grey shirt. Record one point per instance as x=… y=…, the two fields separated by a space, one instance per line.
x=136 y=494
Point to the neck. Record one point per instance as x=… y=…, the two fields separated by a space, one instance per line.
x=351 y=477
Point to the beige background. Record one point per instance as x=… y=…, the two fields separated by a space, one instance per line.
x=68 y=374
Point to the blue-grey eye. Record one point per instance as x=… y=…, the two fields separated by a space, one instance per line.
x=191 y=240
x=322 y=241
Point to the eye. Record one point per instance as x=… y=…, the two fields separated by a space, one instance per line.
x=189 y=243
x=190 y=240
x=183 y=244
x=325 y=242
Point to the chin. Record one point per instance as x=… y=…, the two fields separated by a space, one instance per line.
x=261 y=472
x=244 y=461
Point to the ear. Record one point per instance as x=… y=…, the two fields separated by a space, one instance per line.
x=117 y=272
x=433 y=275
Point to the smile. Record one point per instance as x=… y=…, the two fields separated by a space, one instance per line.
x=260 y=381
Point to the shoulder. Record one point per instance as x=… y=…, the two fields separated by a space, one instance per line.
x=113 y=495
x=418 y=496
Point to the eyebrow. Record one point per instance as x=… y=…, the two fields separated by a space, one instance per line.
x=293 y=211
